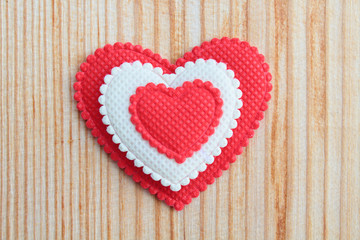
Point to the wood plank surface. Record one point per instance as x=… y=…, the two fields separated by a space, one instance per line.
x=298 y=178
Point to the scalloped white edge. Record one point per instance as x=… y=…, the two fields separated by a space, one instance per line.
x=169 y=78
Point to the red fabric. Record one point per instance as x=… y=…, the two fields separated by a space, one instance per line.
x=249 y=67
x=176 y=121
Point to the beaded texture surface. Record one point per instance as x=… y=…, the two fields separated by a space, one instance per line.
x=248 y=67
x=176 y=121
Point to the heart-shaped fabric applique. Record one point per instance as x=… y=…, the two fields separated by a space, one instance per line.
x=118 y=92
x=179 y=183
x=176 y=121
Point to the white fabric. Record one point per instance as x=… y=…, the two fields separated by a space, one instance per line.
x=123 y=82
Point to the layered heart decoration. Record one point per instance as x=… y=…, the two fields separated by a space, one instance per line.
x=176 y=121
x=174 y=128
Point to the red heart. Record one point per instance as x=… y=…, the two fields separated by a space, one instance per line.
x=249 y=68
x=176 y=121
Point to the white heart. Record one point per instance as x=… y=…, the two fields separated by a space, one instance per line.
x=115 y=101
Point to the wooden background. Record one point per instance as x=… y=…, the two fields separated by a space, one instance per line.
x=299 y=177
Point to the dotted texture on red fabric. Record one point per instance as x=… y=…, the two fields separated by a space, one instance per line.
x=249 y=68
x=176 y=121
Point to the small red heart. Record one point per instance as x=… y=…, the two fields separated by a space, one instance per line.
x=249 y=68
x=176 y=121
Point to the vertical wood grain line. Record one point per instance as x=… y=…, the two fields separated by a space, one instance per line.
x=350 y=180
x=6 y=159
x=39 y=160
x=46 y=123
x=91 y=211
x=316 y=118
x=33 y=197
x=334 y=66
x=15 y=169
x=176 y=29
x=65 y=175
x=2 y=124
x=26 y=126
x=7 y=127
x=276 y=125
x=72 y=151
x=156 y=27
x=81 y=152
x=71 y=140
x=296 y=194
x=34 y=115
x=59 y=120
x=54 y=47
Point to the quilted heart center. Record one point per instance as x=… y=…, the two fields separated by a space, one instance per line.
x=176 y=121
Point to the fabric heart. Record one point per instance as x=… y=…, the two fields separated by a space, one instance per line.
x=130 y=78
x=176 y=121
x=177 y=184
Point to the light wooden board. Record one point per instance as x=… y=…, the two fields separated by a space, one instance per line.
x=298 y=178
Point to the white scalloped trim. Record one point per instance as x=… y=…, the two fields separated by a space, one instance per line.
x=168 y=79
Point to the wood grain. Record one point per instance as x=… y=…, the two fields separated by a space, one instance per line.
x=298 y=178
